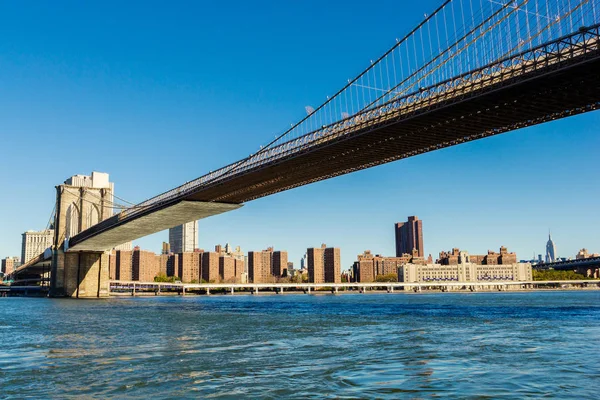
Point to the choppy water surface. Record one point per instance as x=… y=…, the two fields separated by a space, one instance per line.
x=351 y=346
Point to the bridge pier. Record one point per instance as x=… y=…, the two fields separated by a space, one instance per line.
x=79 y=275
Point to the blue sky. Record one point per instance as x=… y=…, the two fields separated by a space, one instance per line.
x=158 y=93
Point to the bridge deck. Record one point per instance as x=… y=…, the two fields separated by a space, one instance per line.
x=553 y=81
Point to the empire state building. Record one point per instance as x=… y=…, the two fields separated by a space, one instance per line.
x=550 y=250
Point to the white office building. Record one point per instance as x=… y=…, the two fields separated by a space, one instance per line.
x=34 y=243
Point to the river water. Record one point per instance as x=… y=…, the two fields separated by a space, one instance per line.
x=472 y=345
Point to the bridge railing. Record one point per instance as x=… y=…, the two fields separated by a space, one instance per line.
x=568 y=263
x=458 y=37
x=583 y=41
x=508 y=68
x=461 y=44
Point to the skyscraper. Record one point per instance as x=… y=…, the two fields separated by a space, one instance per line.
x=34 y=243
x=409 y=236
x=184 y=238
x=550 y=250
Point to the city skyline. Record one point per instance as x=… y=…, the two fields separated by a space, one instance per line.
x=134 y=105
x=411 y=220
x=217 y=182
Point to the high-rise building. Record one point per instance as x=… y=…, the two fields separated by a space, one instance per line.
x=227 y=269
x=173 y=265
x=315 y=260
x=550 y=250
x=332 y=263
x=163 y=264
x=409 y=236
x=266 y=266
x=240 y=271
x=260 y=266
x=121 y=269
x=324 y=264
x=184 y=238
x=364 y=268
x=231 y=263
x=9 y=264
x=189 y=267
x=210 y=267
x=144 y=265
x=34 y=243
x=279 y=265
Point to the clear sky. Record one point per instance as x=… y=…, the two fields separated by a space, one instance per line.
x=158 y=93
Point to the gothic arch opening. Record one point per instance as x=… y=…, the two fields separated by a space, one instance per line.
x=93 y=216
x=72 y=222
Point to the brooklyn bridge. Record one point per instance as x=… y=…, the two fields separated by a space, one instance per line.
x=469 y=70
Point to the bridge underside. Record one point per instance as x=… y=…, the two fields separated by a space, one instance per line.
x=550 y=91
x=33 y=268
x=567 y=89
x=165 y=218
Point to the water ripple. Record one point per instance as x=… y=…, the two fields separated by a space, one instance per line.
x=479 y=345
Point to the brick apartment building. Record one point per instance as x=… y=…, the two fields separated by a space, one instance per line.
x=324 y=264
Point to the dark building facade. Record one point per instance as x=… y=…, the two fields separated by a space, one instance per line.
x=409 y=236
x=280 y=261
x=331 y=261
x=210 y=267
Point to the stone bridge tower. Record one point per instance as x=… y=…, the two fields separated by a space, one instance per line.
x=81 y=202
